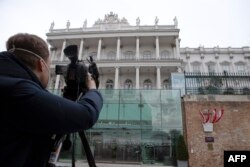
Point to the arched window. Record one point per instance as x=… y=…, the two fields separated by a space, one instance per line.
x=211 y=66
x=147 y=84
x=166 y=84
x=240 y=67
x=128 y=84
x=165 y=54
x=109 y=84
x=196 y=66
x=225 y=66
x=147 y=55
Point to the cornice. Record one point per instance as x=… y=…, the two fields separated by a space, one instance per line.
x=111 y=33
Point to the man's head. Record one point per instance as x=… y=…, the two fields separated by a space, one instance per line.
x=33 y=52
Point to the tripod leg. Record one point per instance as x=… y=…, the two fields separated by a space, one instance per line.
x=87 y=149
x=73 y=150
x=56 y=150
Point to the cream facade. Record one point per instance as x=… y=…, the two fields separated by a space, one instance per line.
x=130 y=57
x=138 y=56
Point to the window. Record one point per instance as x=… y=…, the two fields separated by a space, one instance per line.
x=165 y=54
x=240 y=67
x=147 y=55
x=129 y=55
x=109 y=84
x=225 y=67
x=147 y=84
x=111 y=55
x=128 y=84
x=211 y=67
x=196 y=68
x=166 y=84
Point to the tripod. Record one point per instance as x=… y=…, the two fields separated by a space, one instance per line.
x=75 y=76
x=58 y=145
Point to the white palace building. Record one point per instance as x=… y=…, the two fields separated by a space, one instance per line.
x=142 y=70
x=138 y=56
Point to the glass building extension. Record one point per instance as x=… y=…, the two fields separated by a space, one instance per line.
x=135 y=126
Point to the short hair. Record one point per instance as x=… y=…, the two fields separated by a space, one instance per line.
x=31 y=43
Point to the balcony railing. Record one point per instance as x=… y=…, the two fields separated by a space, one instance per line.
x=217 y=83
x=66 y=61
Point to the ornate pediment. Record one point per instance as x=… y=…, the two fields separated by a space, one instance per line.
x=111 y=18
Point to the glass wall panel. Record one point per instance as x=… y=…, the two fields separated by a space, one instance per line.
x=136 y=126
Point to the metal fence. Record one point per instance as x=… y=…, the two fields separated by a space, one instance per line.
x=217 y=83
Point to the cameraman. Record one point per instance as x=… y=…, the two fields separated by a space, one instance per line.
x=29 y=114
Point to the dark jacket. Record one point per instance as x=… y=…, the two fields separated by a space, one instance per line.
x=30 y=115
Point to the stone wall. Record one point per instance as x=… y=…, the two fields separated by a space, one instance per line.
x=232 y=132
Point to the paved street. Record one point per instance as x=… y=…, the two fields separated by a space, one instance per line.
x=85 y=164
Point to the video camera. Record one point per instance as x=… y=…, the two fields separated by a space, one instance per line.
x=76 y=73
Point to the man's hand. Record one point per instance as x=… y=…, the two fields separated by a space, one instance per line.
x=91 y=82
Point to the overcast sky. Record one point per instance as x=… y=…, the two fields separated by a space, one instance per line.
x=209 y=23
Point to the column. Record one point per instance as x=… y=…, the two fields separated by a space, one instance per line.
x=80 y=50
x=99 y=49
x=157 y=51
x=62 y=53
x=117 y=77
x=137 y=79
x=137 y=48
x=158 y=77
x=57 y=82
x=233 y=66
x=118 y=49
x=177 y=45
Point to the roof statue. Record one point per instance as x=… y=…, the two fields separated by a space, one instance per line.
x=124 y=21
x=175 y=22
x=85 y=23
x=111 y=18
x=52 y=26
x=156 y=20
x=68 y=24
x=138 y=21
x=99 y=21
